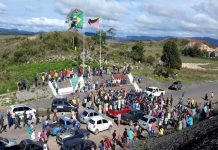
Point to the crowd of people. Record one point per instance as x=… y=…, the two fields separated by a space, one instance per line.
x=186 y=113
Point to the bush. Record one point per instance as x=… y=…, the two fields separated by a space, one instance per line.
x=150 y=60
x=195 y=52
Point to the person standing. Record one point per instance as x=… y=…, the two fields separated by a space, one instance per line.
x=25 y=121
x=212 y=95
x=29 y=130
x=42 y=123
x=125 y=136
x=101 y=145
x=48 y=114
x=171 y=100
x=131 y=138
x=10 y=121
x=17 y=122
x=33 y=132
x=37 y=117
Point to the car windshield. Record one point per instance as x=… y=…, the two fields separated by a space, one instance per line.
x=144 y=119
x=85 y=113
x=92 y=121
x=72 y=132
x=149 y=89
x=4 y=140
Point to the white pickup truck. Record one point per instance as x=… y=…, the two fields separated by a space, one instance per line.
x=154 y=91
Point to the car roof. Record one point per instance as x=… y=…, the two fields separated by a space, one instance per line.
x=96 y=118
x=18 y=105
x=90 y=110
x=60 y=99
x=148 y=116
x=152 y=87
x=65 y=118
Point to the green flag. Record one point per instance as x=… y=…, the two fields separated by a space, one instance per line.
x=75 y=18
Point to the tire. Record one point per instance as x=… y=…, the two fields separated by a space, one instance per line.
x=110 y=128
x=96 y=131
x=130 y=123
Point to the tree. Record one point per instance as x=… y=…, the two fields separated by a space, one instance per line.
x=171 y=56
x=138 y=51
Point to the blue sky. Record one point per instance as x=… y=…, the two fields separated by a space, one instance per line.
x=182 y=18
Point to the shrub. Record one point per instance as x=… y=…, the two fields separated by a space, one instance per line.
x=150 y=60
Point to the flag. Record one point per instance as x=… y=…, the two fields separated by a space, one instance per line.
x=94 y=22
x=75 y=19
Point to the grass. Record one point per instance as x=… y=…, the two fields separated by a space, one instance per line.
x=27 y=72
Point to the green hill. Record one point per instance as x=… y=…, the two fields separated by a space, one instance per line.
x=21 y=57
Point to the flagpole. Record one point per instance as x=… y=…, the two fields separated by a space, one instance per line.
x=100 y=43
x=83 y=49
x=100 y=48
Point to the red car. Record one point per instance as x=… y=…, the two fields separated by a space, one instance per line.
x=114 y=113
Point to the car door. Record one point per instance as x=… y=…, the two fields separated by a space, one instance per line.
x=100 y=125
x=67 y=106
x=105 y=124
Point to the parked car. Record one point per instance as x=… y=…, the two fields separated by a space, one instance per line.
x=145 y=120
x=7 y=142
x=63 y=124
x=20 y=108
x=85 y=116
x=61 y=104
x=78 y=144
x=177 y=85
x=72 y=133
x=115 y=113
x=98 y=123
x=131 y=117
x=154 y=91
x=28 y=144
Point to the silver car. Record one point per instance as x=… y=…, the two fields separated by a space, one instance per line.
x=145 y=120
x=7 y=142
x=85 y=116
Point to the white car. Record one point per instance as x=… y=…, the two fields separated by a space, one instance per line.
x=145 y=120
x=154 y=91
x=20 y=108
x=98 y=123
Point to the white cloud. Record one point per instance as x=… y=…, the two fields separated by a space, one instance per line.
x=41 y=23
x=2 y=8
x=107 y=9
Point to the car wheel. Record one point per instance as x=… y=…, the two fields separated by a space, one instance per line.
x=130 y=123
x=96 y=131
x=110 y=128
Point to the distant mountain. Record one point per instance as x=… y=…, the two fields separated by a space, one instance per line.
x=208 y=39
x=145 y=38
x=16 y=32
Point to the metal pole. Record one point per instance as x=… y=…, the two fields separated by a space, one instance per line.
x=100 y=48
x=83 y=50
